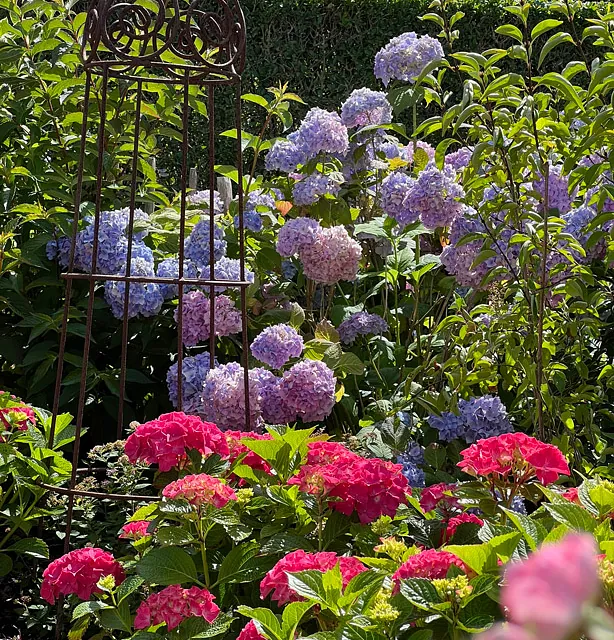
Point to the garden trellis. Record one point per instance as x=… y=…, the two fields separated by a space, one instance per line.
x=190 y=46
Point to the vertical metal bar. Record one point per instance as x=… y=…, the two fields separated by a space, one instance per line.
x=184 y=182
x=90 y=307
x=211 y=116
x=125 y=320
x=71 y=261
x=242 y=255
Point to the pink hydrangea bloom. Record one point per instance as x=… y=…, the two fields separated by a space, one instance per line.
x=237 y=448
x=546 y=593
x=571 y=494
x=78 y=572
x=437 y=495
x=324 y=452
x=173 y=605
x=135 y=530
x=20 y=415
x=164 y=441
x=516 y=455
x=276 y=580
x=250 y=632
x=200 y=490
x=506 y=632
x=427 y=564
x=462 y=518
x=333 y=256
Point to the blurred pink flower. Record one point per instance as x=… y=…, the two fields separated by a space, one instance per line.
x=546 y=593
x=506 y=632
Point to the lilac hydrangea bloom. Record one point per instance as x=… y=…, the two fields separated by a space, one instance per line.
x=296 y=234
x=363 y=324
x=308 y=390
x=407 y=153
x=558 y=189
x=229 y=269
x=433 y=196
x=576 y=222
x=252 y=221
x=449 y=425
x=59 y=249
x=196 y=325
x=321 y=131
x=332 y=257
x=285 y=156
x=459 y=159
x=197 y=244
x=275 y=345
x=366 y=107
x=405 y=57
x=203 y=199
x=194 y=370
x=144 y=298
x=394 y=190
x=484 y=417
x=169 y=268
x=458 y=259
x=274 y=409
x=312 y=187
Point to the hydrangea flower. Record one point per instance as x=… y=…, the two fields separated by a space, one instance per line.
x=237 y=448
x=307 y=389
x=169 y=268
x=311 y=188
x=19 y=415
x=229 y=269
x=405 y=57
x=144 y=298
x=164 y=441
x=252 y=221
x=288 y=270
x=332 y=257
x=433 y=196
x=197 y=244
x=135 y=530
x=407 y=153
x=296 y=234
x=274 y=409
x=199 y=490
x=449 y=425
x=276 y=580
x=558 y=189
x=363 y=324
x=430 y=564
x=78 y=572
x=276 y=345
x=197 y=317
x=173 y=605
x=250 y=632
x=459 y=159
x=203 y=199
x=440 y=496
x=321 y=132
x=194 y=370
x=366 y=107
x=285 y=156
x=461 y=518
x=415 y=476
x=394 y=190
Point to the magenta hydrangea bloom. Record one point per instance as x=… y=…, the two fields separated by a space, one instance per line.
x=332 y=257
x=308 y=390
x=295 y=234
x=366 y=107
x=276 y=345
x=405 y=57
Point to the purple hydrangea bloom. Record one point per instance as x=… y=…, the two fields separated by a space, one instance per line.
x=252 y=221
x=366 y=107
x=484 y=417
x=321 y=132
x=308 y=390
x=415 y=476
x=433 y=196
x=274 y=410
x=363 y=324
x=261 y=198
x=144 y=298
x=449 y=425
x=405 y=57
x=223 y=397
x=285 y=156
x=407 y=153
x=484 y=319
x=395 y=188
x=59 y=249
x=203 y=199
x=196 y=325
x=558 y=189
x=194 y=370
x=576 y=222
x=517 y=505
x=197 y=244
x=332 y=257
x=275 y=345
x=295 y=234
x=169 y=268
x=459 y=159
x=309 y=190
x=229 y=269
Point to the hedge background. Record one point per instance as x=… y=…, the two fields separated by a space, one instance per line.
x=325 y=48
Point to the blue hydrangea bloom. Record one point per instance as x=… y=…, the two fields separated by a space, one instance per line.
x=252 y=221
x=203 y=199
x=449 y=425
x=285 y=156
x=275 y=345
x=415 y=476
x=363 y=324
x=197 y=244
x=228 y=269
x=366 y=107
x=484 y=417
x=414 y=453
x=288 y=269
x=194 y=370
x=169 y=268
x=312 y=187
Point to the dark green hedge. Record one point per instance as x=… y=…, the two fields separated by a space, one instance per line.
x=325 y=48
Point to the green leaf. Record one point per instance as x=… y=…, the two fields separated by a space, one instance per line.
x=235 y=560
x=511 y=31
x=533 y=532
x=479 y=557
x=166 y=566
x=542 y=27
x=128 y=586
x=116 y=617
x=308 y=584
x=421 y=593
x=255 y=98
x=31 y=546
x=265 y=617
x=553 y=41
x=351 y=364
x=6 y=564
x=574 y=516
x=505 y=544
x=292 y=616
x=87 y=608
x=557 y=81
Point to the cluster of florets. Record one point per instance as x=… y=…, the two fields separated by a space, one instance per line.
x=459 y=159
x=78 y=572
x=237 y=449
x=18 y=414
x=310 y=188
x=276 y=345
x=361 y=324
x=276 y=580
x=307 y=390
x=200 y=490
x=408 y=152
x=366 y=107
x=202 y=199
x=558 y=189
x=135 y=530
x=196 y=317
x=411 y=459
x=296 y=234
x=481 y=417
x=257 y=201
x=370 y=487
x=169 y=268
x=393 y=192
x=405 y=57
x=164 y=441
x=428 y=564
x=439 y=496
x=462 y=518
x=194 y=370
x=197 y=244
x=173 y=605
x=250 y=632
x=143 y=298
x=284 y=156
x=514 y=458
x=228 y=269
